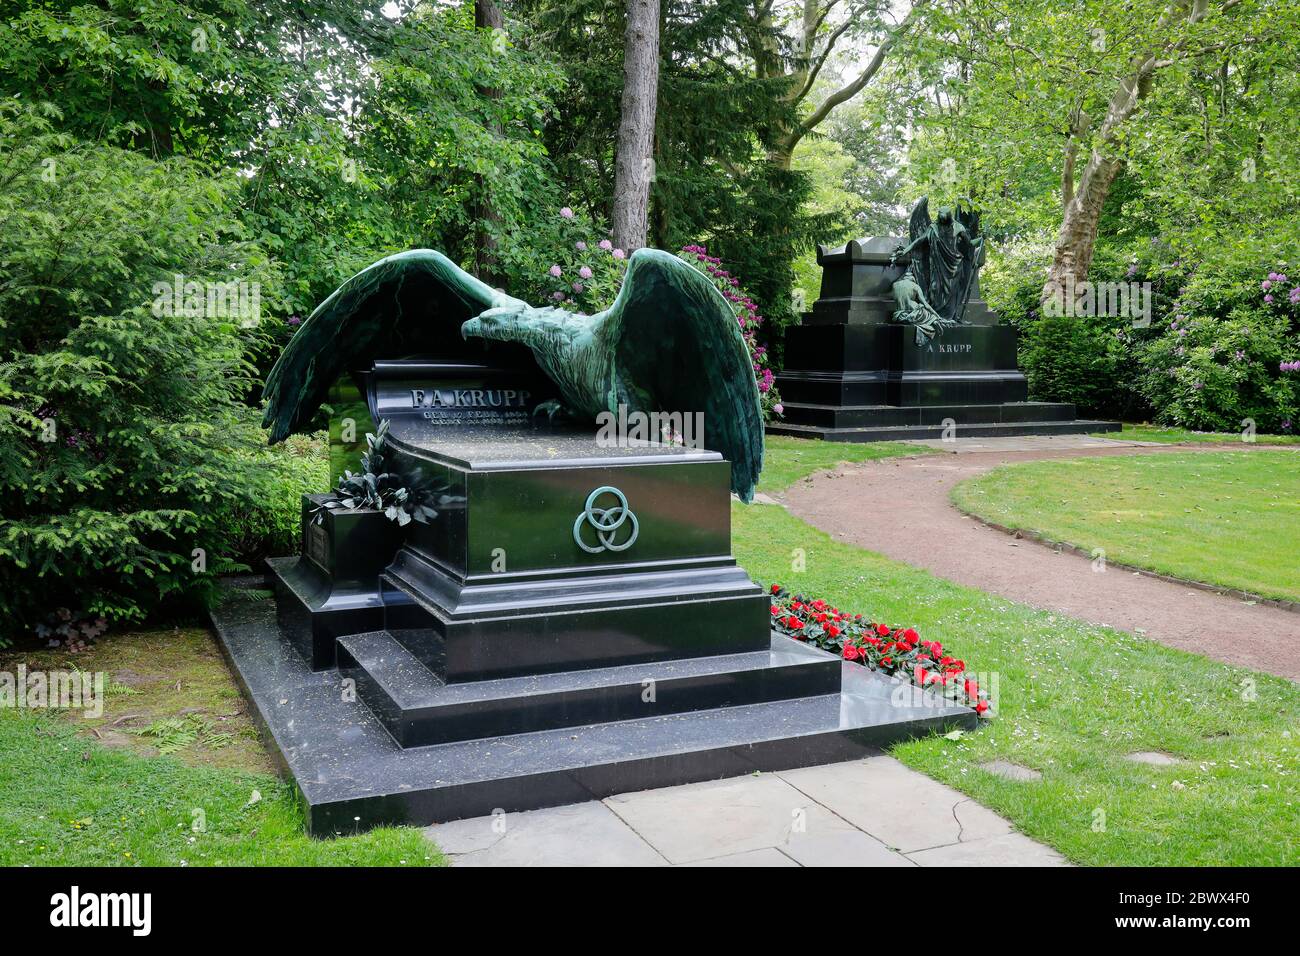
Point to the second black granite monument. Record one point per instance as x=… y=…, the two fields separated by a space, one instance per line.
x=901 y=345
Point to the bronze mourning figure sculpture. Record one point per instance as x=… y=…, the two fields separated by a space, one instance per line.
x=945 y=259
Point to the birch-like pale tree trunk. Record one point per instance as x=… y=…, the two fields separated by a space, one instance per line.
x=633 y=167
x=1081 y=216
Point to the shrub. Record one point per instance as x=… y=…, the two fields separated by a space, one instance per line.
x=124 y=446
x=1219 y=362
x=272 y=525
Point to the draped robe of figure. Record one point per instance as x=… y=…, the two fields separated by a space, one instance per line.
x=947 y=255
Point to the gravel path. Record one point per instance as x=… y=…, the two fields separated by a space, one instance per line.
x=899 y=507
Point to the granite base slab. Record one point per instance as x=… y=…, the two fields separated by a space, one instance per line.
x=917 y=432
x=352 y=775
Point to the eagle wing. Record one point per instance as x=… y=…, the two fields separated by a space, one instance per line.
x=403 y=304
x=678 y=348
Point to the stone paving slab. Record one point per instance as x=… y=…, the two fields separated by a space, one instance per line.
x=764 y=857
x=905 y=810
x=1010 y=849
x=581 y=834
x=872 y=812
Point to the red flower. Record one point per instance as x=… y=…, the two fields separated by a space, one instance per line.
x=776 y=609
x=850 y=652
x=911 y=636
x=832 y=630
x=971 y=688
x=776 y=588
x=886 y=661
x=882 y=630
x=981 y=707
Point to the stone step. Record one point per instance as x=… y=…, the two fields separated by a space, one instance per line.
x=889 y=416
x=419 y=709
x=498 y=626
x=352 y=775
x=916 y=432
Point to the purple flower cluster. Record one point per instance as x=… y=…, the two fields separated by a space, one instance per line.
x=1289 y=366
x=1276 y=281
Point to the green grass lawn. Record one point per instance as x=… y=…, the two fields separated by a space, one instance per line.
x=1224 y=518
x=1073 y=700
x=1181 y=436
x=789 y=459
x=78 y=792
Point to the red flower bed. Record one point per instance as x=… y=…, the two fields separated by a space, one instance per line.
x=896 y=651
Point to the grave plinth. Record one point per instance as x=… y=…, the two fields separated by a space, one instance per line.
x=570 y=624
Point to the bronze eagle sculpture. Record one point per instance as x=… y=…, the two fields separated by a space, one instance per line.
x=669 y=343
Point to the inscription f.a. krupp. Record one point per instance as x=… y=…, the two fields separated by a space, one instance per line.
x=428 y=398
x=953 y=347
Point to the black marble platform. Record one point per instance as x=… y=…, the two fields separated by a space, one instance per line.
x=352 y=773
x=419 y=709
x=981 y=423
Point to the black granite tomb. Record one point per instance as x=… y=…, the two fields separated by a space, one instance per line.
x=852 y=374
x=571 y=624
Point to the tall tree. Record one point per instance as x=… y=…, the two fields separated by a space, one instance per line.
x=634 y=162
x=1042 y=111
x=822 y=30
x=488 y=16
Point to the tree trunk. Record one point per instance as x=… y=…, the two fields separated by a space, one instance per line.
x=487 y=16
x=1077 y=240
x=634 y=167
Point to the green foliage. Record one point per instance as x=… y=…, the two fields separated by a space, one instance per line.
x=1069 y=359
x=123 y=436
x=590 y=268
x=349 y=134
x=1216 y=364
x=273 y=524
x=713 y=181
x=377 y=489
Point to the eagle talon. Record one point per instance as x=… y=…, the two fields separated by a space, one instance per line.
x=553 y=409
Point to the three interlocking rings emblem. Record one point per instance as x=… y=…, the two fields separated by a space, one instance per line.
x=607 y=522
